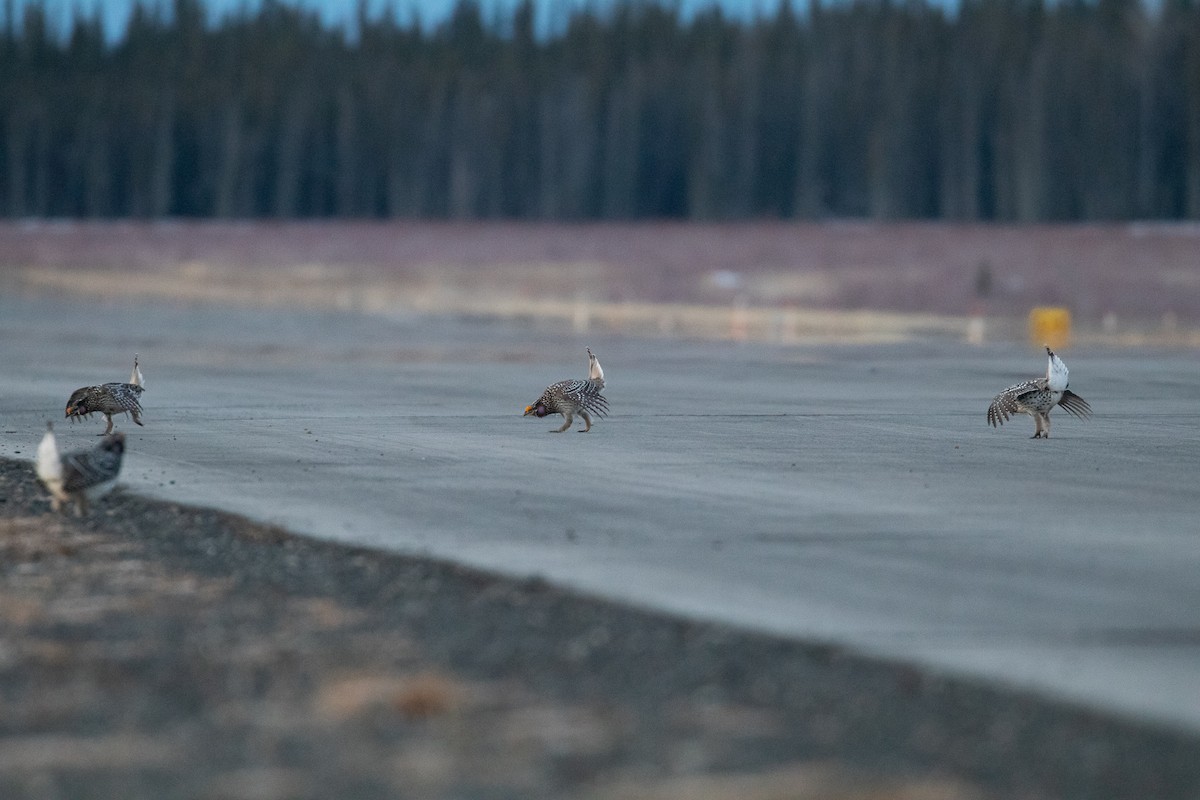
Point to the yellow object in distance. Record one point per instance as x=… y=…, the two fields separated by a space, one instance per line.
x=1050 y=326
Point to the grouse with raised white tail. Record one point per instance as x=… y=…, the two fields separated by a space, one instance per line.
x=109 y=399
x=1036 y=397
x=574 y=396
x=79 y=476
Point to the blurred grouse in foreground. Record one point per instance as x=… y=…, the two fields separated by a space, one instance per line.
x=80 y=476
x=574 y=396
x=1037 y=397
x=109 y=399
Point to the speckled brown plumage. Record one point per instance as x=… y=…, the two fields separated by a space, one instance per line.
x=574 y=396
x=82 y=475
x=1036 y=397
x=109 y=399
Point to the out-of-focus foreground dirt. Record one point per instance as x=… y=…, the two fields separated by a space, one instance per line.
x=159 y=651
x=154 y=650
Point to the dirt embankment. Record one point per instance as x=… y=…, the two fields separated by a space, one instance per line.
x=159 y=651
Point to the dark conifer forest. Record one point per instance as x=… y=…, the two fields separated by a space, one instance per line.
x=1010 y=110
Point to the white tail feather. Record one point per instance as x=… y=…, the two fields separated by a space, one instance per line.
x=595 y=371
x=50 y=468
x=135 y=377
x=1056 y=372
x=49 y=463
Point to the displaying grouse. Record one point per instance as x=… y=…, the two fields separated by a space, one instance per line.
x=1036 y=397
x=109 y=399
x=574 y=396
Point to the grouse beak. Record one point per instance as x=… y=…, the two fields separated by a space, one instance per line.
x=528 y=411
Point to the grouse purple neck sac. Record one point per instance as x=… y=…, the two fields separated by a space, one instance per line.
x=574 y=396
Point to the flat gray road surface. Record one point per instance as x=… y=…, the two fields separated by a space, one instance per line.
x=846 y=494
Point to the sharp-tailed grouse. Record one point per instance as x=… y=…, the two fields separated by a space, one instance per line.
x=80 y=476
x=574 y=396
x=1037 y=397
x=109 y=399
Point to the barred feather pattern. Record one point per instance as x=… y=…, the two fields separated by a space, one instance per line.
x=1028 y=397
x=574 y=395
x=570 y=397
x=82 y=475
x=90 y=469
x=1037 y=397
x=1075 y=405
x=108 y=399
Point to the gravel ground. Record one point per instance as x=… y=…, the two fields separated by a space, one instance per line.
x=159 y=651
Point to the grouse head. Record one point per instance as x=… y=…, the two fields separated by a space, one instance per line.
x=80 y=404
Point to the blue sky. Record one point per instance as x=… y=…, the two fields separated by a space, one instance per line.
x=116 y=12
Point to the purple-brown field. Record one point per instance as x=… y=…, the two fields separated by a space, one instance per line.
x=1143 y=272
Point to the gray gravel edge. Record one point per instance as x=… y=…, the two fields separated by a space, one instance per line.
x=662 y=697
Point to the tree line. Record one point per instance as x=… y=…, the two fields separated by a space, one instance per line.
x=1015 y=110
